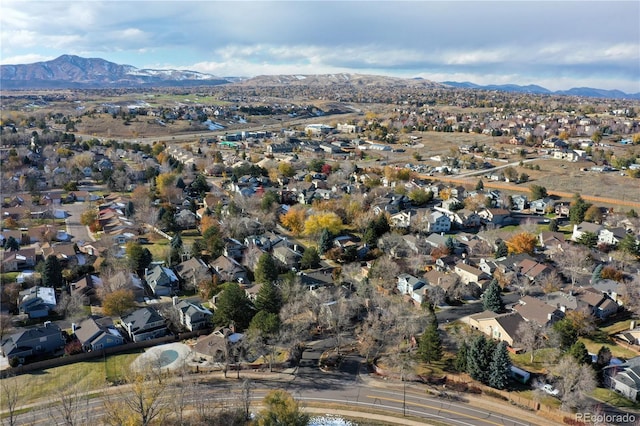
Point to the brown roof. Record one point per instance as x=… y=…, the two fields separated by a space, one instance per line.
x=535 y=310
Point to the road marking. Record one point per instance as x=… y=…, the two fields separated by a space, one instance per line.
x=435 y=408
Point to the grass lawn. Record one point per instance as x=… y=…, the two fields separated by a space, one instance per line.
x=610 y=397
x=159 y=249
x=545 y=399
x=617 y=327
x=616 y=350
x=540 y=361
x=9 y=277
x=86 y=376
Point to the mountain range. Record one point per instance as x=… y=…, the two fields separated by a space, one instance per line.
x=70 y=71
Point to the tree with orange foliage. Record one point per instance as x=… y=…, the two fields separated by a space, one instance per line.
x=207 y=222
x=523 y=242
x=293 y=220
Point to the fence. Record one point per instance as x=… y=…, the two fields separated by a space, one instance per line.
x=85 y=356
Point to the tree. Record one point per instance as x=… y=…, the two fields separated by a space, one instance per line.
x=11 y=244
x=143 y=405
x=460 y=363
x=294 y=220
x=579 y=352
x=575 y=381
x=588 y=239
x=10 y=389
x=593 y=214
x=310 y=258
x=603 y=359
x=479 y=185
x=267 y=323
x=492 y=298
x=324 y=241
x=479 y=358
x=430 y=343
x=139 y=257
x=213 y=241
x=118 y=302
x=522 y=242
x=553 y=225
x=629 y=245
x=502 y=250
x=577 y=209
x=233 y=306
x=500 y=367
x=281 y=409
x=566 y=333
x=538 y=192
x=325 y=220
x=52 y=273
x=420 y=197
x=531 y=337
x=268 y=298
x=268 y=199
x=266 y=270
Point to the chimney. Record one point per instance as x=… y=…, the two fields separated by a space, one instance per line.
x=175 y=300
x=74 y=327
x=47 y=323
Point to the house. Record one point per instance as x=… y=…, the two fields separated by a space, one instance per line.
x=233 y=248
x=408 y=284
x=502 y=327
x=289 y=257
x=466 y=218
x=37 y=302
x=401 y=219
x=613 y=289
x=532 y=269
x=162 y=280
x=33 y=342
x=519 y=202
x=185 y=219
x=213 y=348
x=192 y=271
x=536 y=310
x=624 y=378
x=438 y=222
x=95 y=334
x=469 y=274
x=87 y=286
x=144 y=324
x=551 y=240
x=14 y=261
x=496 y=217
x=229 y=270
x=541 y=206
x=611 y=236
x=597 y=303
x=192 y=315
x=584 y=227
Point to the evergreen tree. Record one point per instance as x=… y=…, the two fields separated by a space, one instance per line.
x=129 y=209
x=630 y=245
x=502 y=250
x=430 y=344
x=597 y=273
x=11 y=244
x=460 y=363
x=578 y=209
x=138 y=257
x=566 y=332
x=492 y=298
x=480 y=185
x=269 y=298
x=477 y=359
x=603 y=360
x=310 y=258
x=553 y=225
x=233 y=306
x=450 y=244
x=324 y=241
x=579 y=352
x=266 y=269
x=52 y=273
x=500 y=367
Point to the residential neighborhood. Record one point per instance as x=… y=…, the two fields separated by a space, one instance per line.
x=355 y=229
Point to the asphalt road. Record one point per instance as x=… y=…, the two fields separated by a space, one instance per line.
x=78 y=231
x=346 y=387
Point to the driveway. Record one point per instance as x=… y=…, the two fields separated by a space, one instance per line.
x=78 y=231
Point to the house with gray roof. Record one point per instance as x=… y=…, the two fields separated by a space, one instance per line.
x=162 y=280
x=97 y=333
x=37 y=302
x=144 y=324
x=624 y=378
x=33 y=342
x=192 y=315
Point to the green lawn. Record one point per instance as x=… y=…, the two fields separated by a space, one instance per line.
x=617 y=327
x=610 y=397
x=86 y=376
x=616 y=350
x=540 y=361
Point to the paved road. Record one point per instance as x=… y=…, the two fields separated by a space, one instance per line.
x=345 y=387
x=78 y=231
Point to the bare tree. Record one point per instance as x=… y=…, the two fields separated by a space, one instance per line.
x=70 y=405
x=71 y=305
x=550 y=282
x=6 y=325
x=574 y=381
x=531 y=337
x=573 y=260
x=244 y=398
x=10 y=395
x=139 y=402
x=384 y=272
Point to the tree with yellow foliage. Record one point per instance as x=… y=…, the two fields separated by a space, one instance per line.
x=319 y=221
x=166 y=186
x=523 y=242
x=294 y=220
x=207 y=222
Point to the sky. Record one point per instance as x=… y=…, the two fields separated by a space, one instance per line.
x=554 y=44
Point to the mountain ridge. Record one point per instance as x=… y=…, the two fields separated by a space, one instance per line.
x=75 y=72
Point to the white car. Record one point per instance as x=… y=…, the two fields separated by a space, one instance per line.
x=550 y=390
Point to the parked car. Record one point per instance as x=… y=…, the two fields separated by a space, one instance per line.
x=550 y=390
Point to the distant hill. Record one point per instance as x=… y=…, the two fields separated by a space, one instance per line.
x=70 y=71
x=359 y=80
x=532 y=88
